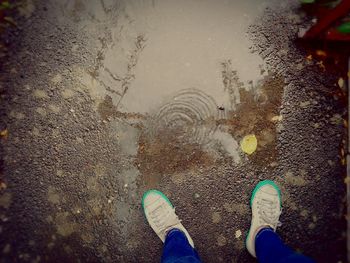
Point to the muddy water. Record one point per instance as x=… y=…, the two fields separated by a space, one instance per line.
x=187 y=41
x=175 y=82
x=175 y=85
x=181 y=72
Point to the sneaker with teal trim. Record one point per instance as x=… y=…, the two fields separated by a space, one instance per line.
x=160 y=214
x=266 y=208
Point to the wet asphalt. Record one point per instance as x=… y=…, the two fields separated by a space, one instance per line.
x=103 y=100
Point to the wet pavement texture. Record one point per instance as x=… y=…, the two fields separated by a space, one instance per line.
x=104 y=100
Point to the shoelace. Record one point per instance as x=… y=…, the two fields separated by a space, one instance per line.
x=268 y=212
x=164 y=222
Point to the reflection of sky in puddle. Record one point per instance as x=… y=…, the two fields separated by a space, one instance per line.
x=186 y=43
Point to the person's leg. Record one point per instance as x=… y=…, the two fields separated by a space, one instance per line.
x=270 y=248
x=178 y=249
x=262 y=241
x=160 y=214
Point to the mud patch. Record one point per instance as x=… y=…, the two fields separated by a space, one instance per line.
x=166 y=154
x=255 y=110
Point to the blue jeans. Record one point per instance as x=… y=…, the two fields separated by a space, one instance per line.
x=177 y=249
x=269 y=249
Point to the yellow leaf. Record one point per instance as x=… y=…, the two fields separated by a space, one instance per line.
x=249 y=144
x=309 y=57
x=4 y=133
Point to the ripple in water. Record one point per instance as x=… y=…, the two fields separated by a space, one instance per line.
x=191 y=114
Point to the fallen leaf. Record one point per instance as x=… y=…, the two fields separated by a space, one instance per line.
x=276 y=118
x=4 y=133
x=238 y=234
x=321 y=65
x=321 y=53
x=343 y=161
x=249 y=144
x=3 y=186
x=347 y=180
x=309 y=57
x=341 y=82
x=342 y=152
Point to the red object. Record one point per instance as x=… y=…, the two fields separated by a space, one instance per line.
x=322 y=29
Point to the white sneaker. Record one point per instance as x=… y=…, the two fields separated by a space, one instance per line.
x=266 y=209
x=160 y=214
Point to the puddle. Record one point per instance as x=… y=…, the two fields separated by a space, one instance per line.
x=149 y=50
x=191 y=90
x=191 y=111
x=187 y=130
x=184 y=49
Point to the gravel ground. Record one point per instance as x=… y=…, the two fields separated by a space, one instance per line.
x=103 y=100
